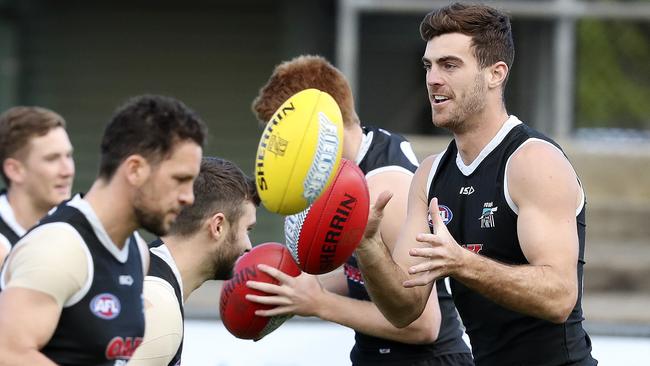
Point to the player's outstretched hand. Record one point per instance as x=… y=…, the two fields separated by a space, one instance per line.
x=374 y=220
x=292 y=295
x=443 y=255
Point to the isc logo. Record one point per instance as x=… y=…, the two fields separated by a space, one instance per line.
x=106 y=306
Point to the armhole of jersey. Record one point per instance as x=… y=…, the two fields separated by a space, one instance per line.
x=90 y=267
x=91 y=272
x=506 y=191
x=447 y=281
x=390 y=168
x=144 y=252
x=432 y=172
x=4 y=242
x=166 y=283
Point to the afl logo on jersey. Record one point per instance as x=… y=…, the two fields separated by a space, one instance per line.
x=106 y=306
x=445 y=213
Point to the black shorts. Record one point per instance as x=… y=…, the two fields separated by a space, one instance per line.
x=450 y=359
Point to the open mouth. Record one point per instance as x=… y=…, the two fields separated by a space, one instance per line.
x=437 y=99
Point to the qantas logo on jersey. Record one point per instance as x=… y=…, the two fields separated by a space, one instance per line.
x=467 y=190
x=122 y=347
x=487 y=216
x=106 y=306
x=476 y=248
x=352 y=273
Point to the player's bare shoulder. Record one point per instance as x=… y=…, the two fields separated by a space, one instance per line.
x=537 y=167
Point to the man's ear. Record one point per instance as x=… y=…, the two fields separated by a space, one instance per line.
x=14 y=170
x=498 y=74
x=217 y=225
x=137 y=169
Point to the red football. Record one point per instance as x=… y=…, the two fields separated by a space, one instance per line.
x=323 y=237
x=237 y=313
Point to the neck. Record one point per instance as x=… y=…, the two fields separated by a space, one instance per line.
x=482 y=129
x=113 y=208
x=26 y=211
x=352 y=137
x=192 y=264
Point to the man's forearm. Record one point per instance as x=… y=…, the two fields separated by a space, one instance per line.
x=32 y=357
x=383 y=279
x=537 y=291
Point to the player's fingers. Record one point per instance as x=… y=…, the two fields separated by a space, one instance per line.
x=268 y=300
x=431 y=239
x=421 y=280
x=377 y=213
x=434 y=211
x=265 y=287
x=428 y=253
x=275 y=273
x=279 y=310
x=426 y=266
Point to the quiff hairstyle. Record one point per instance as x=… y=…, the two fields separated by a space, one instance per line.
x=220 y=187
x=300 y=73
x=489 y=28
x=18 y=125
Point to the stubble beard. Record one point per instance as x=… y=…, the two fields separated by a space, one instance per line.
x=153 y=222
x=473 y=103
x=224 y=263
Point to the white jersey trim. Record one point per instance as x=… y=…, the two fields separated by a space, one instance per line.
x=511 y=123
x=163 y=253
x=506 y=192
x=389 y=168
x=432 y=172
x=366 y=141
x=82 y=205
x=143 y=248
x=7 y=214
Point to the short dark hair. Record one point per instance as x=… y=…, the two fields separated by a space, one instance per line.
x=489 y=28
x=20 y=124
x=149 y=125
x=220 y=187
x=300 y=73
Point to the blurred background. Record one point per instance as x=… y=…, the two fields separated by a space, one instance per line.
x=581 y=75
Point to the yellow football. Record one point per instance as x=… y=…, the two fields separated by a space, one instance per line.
x=299 y=152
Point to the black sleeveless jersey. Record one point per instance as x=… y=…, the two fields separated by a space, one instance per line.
x=481 y=216
x=159 y=268
x=8 y=235
x=384 y=151
x=105 y=325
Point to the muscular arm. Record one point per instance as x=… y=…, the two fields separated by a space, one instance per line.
x=365 y=317
x=385 y=272
x=544 y=187
x=164 y=325
x=42 y=274
x=28 y=319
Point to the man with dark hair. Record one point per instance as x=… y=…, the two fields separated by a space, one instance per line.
x=506 y=212
x=203 y=244
x=388 y=162
x=72 y=286
x=37 y=169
